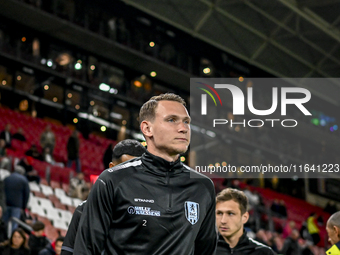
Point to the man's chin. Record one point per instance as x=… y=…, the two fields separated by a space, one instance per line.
x=226 y=234
x=179 y=148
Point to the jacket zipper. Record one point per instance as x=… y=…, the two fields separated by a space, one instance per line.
x=168 y=184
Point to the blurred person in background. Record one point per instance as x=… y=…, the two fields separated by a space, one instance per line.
x=123 y=151
x=30 y=173
x=333 y=231
x=48 y=157
x=282 y=209
x=6 y=135
x=17 y=192
x=78 y=187
x=16 y=245
x=291 y=245
x=331 y=207
x=2 y=193
x=73 y=145
x=47 y=139
x=53 y=248
x=231 y=215
x=34 y=153
x=287 y=230
x=4 y=160
x=37 y=239
x=313 y=228
x=3 y=229
x=19 y=135
x=275 y=207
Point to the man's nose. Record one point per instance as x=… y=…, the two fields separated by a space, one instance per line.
x=224 y=218
x=184 y=127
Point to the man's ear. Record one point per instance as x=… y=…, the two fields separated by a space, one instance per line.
x=111 y=164
x=146 y=129
x=337 y=231
x=245 y=217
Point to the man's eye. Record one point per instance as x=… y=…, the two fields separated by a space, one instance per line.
x=171 y=120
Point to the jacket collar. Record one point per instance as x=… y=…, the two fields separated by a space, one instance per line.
x=161 y=165
x=242 y=242
x=338 y=245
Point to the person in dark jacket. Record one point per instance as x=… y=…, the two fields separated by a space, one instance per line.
x=7 y=136
x=123 y=151
x=53 y=248
x=152 y=204
x=231 y=215
x=330 y=207
x=17 y=192
x=3 y=229
x=73 y=150
x=30 y=173
x=37 y=240
x=34 y=153
x=5 y=162
x=16 y=245
x=19 y=135
x=291 y=245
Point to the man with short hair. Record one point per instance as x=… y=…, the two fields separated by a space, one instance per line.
x=37 y=240
x=333 y=231
x=123 y=151
x=153 y=204
x=53 y=248
x=126 y=150
x=291 y=244
x=231 y=215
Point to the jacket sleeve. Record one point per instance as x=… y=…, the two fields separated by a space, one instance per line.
x=68 y=244
x=26 y=195
x=206 y=241
x=96 y=218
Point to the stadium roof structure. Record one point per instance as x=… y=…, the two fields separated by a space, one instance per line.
x=286 y=38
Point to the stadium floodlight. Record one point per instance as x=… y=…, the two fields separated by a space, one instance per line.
x=113 y=91
x=104 y=87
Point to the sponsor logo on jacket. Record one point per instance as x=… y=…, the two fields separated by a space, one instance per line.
x=141 y=210
x=144 y=200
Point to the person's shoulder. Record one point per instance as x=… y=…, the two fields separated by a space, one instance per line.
x=80 y=207
x=200 y=178
x=122 y=170
x=196 y=175
x=265 y=250
x=23 y=179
